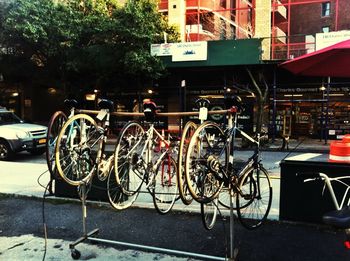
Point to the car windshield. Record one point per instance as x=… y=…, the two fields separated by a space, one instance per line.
x=9 y=118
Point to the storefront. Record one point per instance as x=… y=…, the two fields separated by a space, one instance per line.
x=310 y=110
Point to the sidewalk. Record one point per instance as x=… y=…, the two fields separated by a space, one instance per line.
x=302 y=144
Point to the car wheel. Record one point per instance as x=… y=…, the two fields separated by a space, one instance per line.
x=37 y=151
x=5 y=150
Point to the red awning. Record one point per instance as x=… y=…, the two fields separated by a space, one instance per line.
x=333 y=61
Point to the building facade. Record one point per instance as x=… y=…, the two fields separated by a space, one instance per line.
x=298 y=106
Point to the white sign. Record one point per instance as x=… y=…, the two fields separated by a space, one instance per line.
x=327 y=39
x=190 y=51
x=161 y=49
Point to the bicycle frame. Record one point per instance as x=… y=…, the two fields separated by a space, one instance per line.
x=150 y=134
x=100 y=140
x=230 y=135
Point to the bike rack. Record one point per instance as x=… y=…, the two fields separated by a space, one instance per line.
x=89 y=235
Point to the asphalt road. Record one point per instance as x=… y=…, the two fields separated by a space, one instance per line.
x=177 y=230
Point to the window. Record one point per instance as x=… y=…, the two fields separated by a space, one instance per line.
x=222 y=29
x=326 y=9
x=325 y=29
x=223 y=3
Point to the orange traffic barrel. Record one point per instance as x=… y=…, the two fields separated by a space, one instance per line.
x=340 y=150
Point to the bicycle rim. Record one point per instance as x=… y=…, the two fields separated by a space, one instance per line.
x=187 y=133
x=76 y=149
x=209 y=213
x=254 y=207
x=165 y=189
x=117 y=198
x=128 y=161
x=206 y=157
x=55 y=125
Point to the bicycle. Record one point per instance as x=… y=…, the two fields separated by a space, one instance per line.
x=340 y=217
x=80 y=147
x=56 y=123
x=80 y=153
x=208 y=210
x=135 y=164
x=188 y=130
x=209 y=169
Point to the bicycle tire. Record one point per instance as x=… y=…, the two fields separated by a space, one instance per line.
x=209 y=213
x=55 y=125
x=187 y=133
x=254 y=207
x=116 y=197
x=165 y=190
x=206 y=160
x=128 y=163
x=76 y=149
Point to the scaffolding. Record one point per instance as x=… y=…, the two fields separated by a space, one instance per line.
x=288 y=26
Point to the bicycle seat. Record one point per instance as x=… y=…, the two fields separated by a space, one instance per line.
x=106 y=104
x=70 y=103
x=202 y=102
x=233 y=101
x=149 y=109
x=338 y=218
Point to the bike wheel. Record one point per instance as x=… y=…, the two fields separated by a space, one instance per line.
x=254 y=201
x=187 y=133
x=225 y=197
x=117 y=198
x=128 y=159
x=76 y=149
x=206 y=162
x=165 y=189
x=209 y=213
x=56 y=123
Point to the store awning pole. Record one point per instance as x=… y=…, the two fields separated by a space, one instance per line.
x=327 y=110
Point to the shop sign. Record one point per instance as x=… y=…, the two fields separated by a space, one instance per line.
x=206 y=92
x=311 y=90
x=327 y=39
x=190 y=51
x=161 y=49
x=216 y=117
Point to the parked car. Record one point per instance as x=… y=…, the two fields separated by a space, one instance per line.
x=16 y=136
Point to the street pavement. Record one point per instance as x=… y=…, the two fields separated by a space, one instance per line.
x=21 y=223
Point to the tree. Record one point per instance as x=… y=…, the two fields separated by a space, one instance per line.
x=139 y=25
x=261 y=90
x=258 y=86
x=83 y=42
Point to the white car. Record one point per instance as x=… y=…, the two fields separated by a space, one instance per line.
x=16 y=136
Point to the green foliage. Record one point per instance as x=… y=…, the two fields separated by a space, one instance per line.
x=139 y=25
x=83 y=42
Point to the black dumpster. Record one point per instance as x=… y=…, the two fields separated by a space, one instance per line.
x=300 y=201
x=97 y=190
